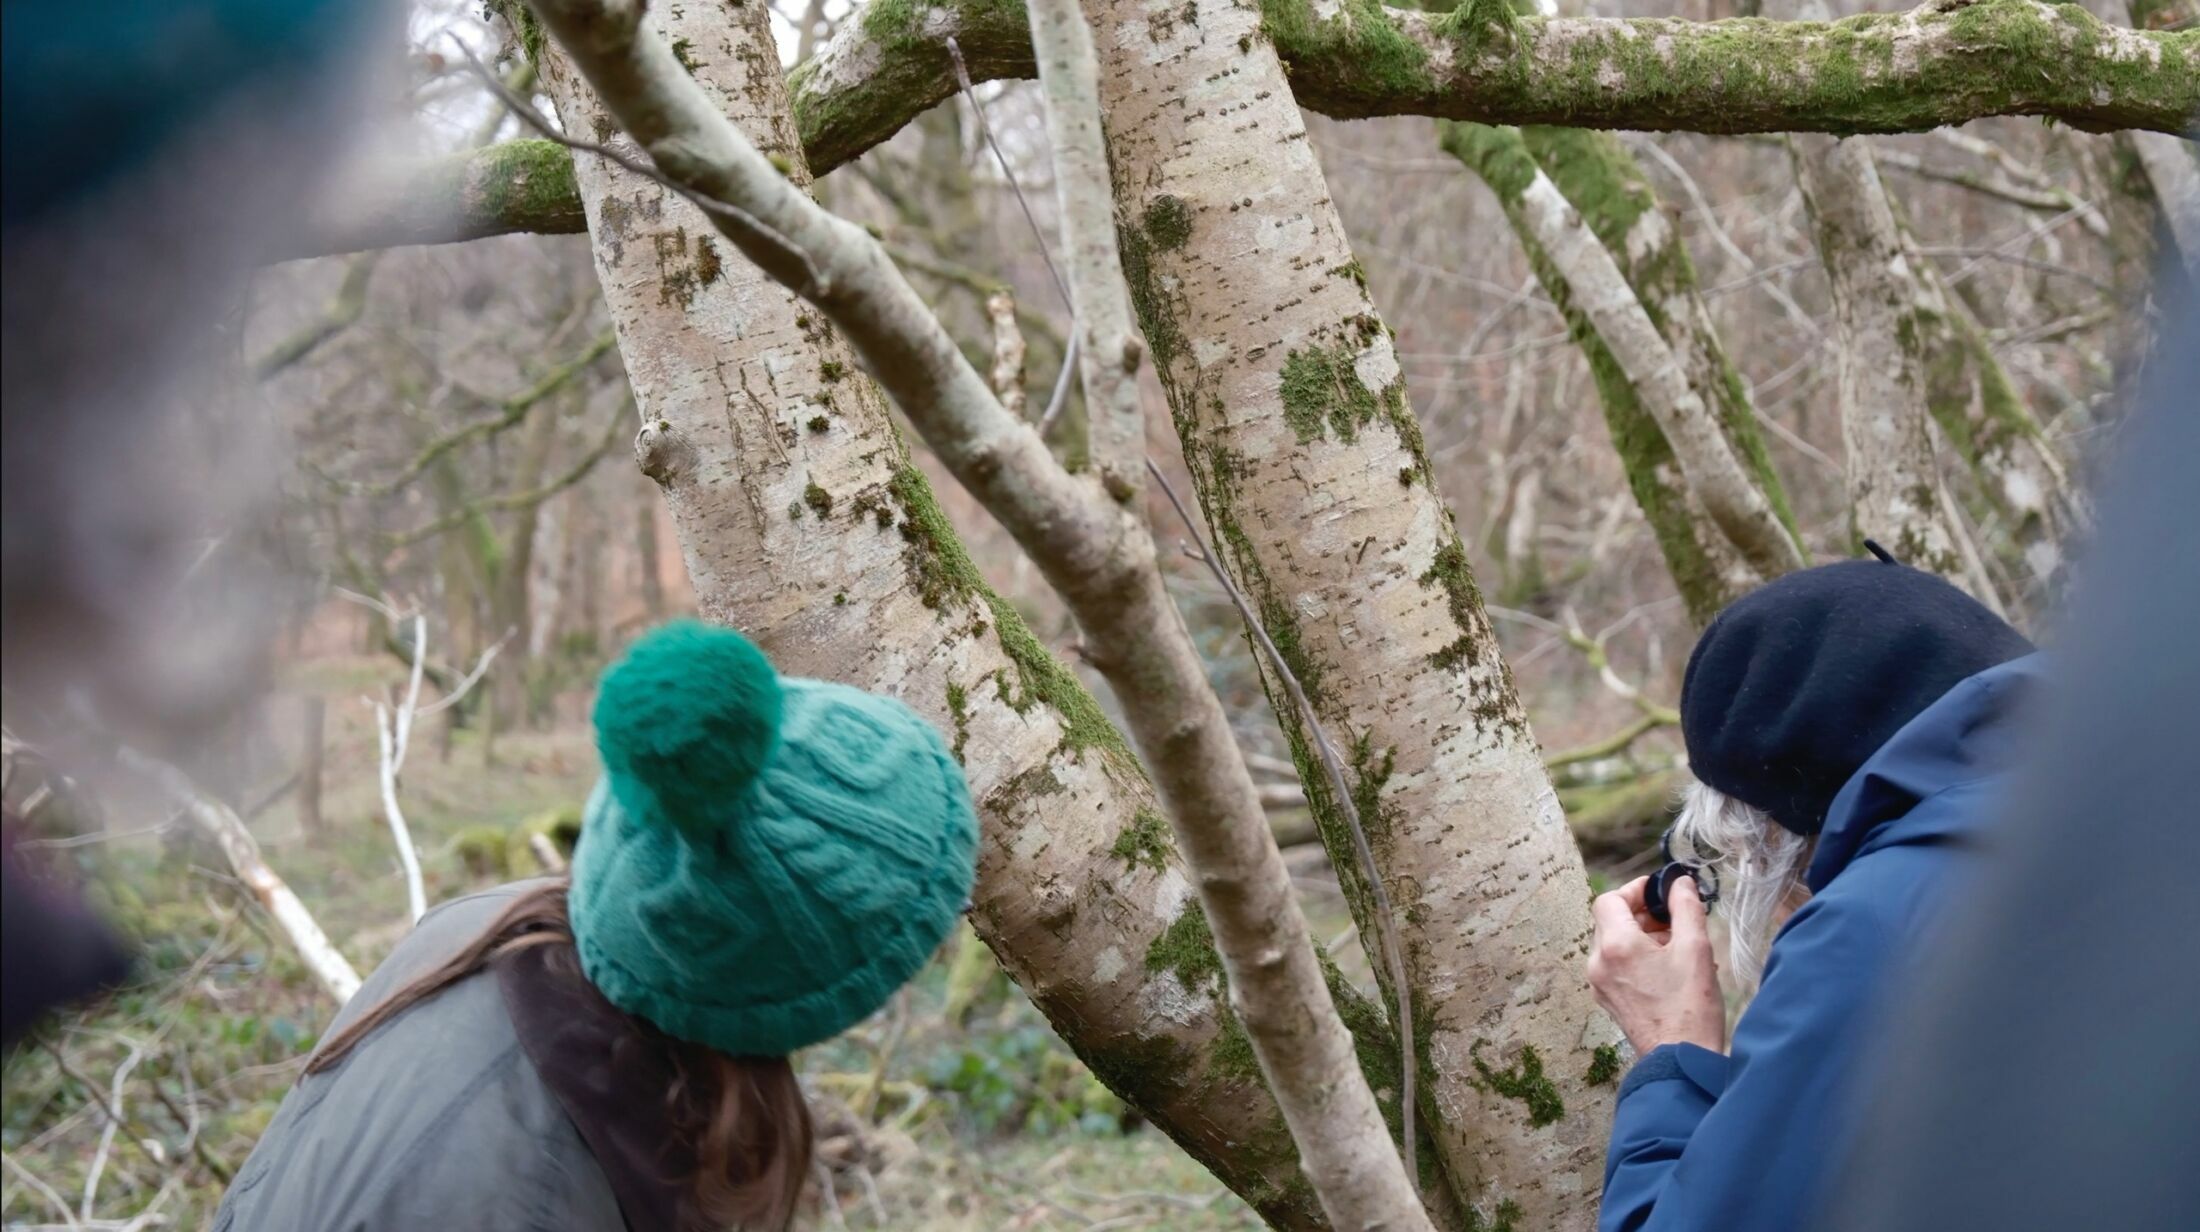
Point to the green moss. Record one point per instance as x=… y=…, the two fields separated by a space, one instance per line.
x=1359 y=47
x=818 y=499
x=1353 y=270
x=1187 y=947
x=1462 y=598
x=1145 y=841
x=1231 y=1057
x=1322 y=389
x=1156 y=308
x=1603 y=1066
x=832 y=371
x=525 y=184
x=683 y=50
x=819 y=423
x=1168 y=222
x=1506 y=1218
x=1523 y=1080
x=1042 y=678
x=708 y=267
x=958 y=709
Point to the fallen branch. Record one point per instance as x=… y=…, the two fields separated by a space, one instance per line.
x=219 y=823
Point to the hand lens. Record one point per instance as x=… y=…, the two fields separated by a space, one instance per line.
x=1657 y=896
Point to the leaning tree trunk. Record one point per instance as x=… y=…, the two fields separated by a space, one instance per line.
x=1310 y=467
x=1649 y=275
x=803 y=522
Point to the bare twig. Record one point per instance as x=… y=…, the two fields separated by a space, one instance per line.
x=481 y=668
x=393 y=737
x=962 y=78
x=42 y=1189
x=112 y=1107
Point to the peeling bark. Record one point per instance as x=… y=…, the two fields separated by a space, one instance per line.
x=1613 y=201
x=804 y=523
x=1312 y=474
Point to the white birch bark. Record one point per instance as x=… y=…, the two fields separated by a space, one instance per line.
x=1093 y=549
x=1311 y=471
x=1894 y=486
x=803 y=522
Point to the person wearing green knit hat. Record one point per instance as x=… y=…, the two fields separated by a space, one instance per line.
x=764 y=862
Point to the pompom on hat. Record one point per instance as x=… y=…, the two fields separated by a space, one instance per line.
x=767 y=859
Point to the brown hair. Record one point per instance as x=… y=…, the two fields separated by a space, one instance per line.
x=744 y=1118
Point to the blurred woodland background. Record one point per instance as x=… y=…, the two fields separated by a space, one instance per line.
x=458 y=500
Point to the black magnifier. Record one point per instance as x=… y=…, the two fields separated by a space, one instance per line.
x=1657 y=897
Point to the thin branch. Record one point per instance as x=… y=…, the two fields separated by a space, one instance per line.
x=2031 y=198
x=1109 y=359
x=962 y=78
x=343 y=310
x=1341 y=789
x=393 y=737
x=481 y=668
x=511 y=412
x=42 y=1189
x=517 y=500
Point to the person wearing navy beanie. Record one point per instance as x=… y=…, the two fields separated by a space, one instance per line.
x=1848 y=728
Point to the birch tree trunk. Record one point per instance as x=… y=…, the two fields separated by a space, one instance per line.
x=1898 y=332
x=1613 y=208
x=1894 y=487
x=1310 y=468
x=804 y=523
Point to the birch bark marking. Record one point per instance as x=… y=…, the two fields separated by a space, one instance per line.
x=803 y=523
x=1311 y=471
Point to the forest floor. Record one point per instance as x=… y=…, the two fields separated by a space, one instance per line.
x=984 y=1123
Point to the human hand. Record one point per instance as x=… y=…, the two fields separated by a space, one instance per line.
x=1658 y=982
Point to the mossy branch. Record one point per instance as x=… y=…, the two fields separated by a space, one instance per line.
x=1946 y=63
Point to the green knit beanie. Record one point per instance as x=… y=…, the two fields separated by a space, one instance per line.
x=766 y=859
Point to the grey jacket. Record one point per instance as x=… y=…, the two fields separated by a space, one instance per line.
x=438 y=1120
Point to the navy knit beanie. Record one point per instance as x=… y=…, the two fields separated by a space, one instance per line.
x=1796 y=684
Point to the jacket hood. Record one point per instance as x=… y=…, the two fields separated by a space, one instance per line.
x=1971 y=733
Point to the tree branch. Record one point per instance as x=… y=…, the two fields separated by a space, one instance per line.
x=1945 y=63
x=1093 y=550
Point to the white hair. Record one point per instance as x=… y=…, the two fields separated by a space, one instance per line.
x=1759 y=865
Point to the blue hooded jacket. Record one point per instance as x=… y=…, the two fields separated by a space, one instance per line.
x=1742 y=1142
